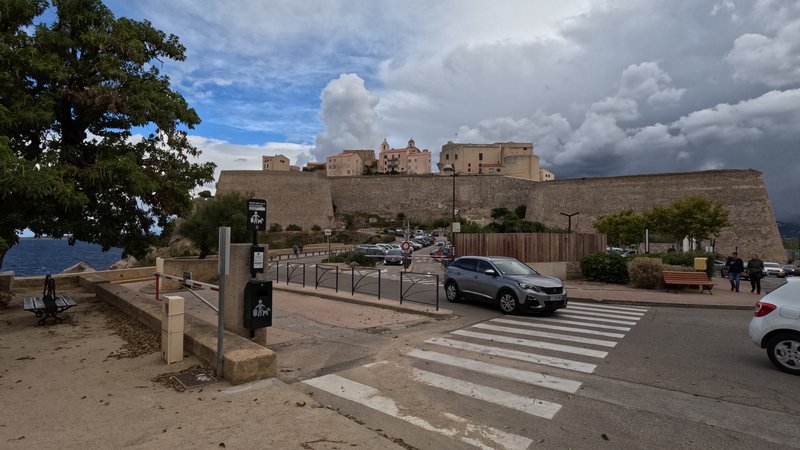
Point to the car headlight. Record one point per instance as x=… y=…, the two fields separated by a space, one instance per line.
x=530 y=287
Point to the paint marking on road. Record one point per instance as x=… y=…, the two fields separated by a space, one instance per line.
x=581 y=316
x=532 y=344
x=604 y=313
x=610 y=307
x=370 y=397
x=528 y=405
x=509 y=373
x=544 y=334
x=556 y=327
x=572 y=322
x=625 y=314
x=515 y=354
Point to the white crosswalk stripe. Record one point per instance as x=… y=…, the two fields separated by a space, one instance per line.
x=544 y=334
x=494 y=372
x=559 y=328
x=522 y=376
x=371 y=398
x=609 y=307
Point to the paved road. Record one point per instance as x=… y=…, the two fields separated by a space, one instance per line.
x=585 y=377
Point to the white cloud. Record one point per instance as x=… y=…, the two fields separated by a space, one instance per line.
x=348 y=114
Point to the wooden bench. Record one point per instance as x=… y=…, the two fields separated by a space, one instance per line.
x=49 y=304
x=674 y=279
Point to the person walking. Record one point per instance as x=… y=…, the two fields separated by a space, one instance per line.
x=296 y=250
x=735 y=268
x=755 y=268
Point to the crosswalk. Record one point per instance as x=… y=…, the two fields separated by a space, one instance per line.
x=520 y=366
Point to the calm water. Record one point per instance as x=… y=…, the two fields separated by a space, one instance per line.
x=50 y=256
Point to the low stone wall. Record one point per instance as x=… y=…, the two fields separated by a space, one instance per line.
x=203 y=270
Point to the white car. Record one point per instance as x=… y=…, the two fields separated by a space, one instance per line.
x=776 y=326
x=776 y=269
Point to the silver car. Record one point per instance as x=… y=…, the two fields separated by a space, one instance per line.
x=507 y=282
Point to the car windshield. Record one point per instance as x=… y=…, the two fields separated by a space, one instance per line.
x=776 y=265
x=513 y=267
x=395 y=251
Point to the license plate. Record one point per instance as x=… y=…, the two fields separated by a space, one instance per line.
x=556 y=298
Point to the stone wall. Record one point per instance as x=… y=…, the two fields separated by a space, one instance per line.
x=299 y=198
x=742 y=192
x=306 y=199
x=425 y=197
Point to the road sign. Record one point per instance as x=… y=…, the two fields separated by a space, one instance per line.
x=405 y=246
x=328 y=232
x=256 y=214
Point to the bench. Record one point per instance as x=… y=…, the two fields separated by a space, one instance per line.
x=49 y=304
x=674 y=279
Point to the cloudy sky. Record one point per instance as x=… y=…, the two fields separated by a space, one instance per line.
x=602 y=88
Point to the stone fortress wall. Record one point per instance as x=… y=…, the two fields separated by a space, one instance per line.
x=307 y=199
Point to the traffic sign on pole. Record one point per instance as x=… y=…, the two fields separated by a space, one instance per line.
x=405 y=246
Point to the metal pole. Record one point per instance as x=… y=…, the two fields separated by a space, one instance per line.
x=454 y=196
x=224 y=269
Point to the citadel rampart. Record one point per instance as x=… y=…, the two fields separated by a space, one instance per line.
x=307 y=199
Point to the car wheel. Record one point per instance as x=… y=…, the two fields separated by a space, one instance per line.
x=508 y=302
x=451 y=291
x=784 y=351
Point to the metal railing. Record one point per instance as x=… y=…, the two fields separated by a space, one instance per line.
x=291 y=268
x=322 y=273
x=187 y=282
x=413 y=284
x=363 y=274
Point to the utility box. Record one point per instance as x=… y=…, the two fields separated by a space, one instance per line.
x=172 y=328
x=700 y=264
x=258 y=304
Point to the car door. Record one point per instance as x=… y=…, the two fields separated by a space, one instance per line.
x=485 y=286
x=463 y=271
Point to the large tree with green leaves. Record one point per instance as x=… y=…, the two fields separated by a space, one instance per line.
x=695 y=217
x=73 y=89
x=624 y=228
x=225 y=210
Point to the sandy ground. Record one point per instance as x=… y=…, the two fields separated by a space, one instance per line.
x=98 y=381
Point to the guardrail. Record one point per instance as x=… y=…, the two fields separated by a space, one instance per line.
x=413 y=286
x=363 y=274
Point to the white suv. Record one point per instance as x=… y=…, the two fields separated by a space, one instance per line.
x=776 y=326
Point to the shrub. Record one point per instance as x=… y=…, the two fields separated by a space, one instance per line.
x=293 y=227
x=316 y=228
x=645 y=273
x=351 y=257
x=275 y=227
x=608 y=267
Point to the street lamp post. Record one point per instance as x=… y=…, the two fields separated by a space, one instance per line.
x=569 y=220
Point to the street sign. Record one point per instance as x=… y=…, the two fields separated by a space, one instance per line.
x=256 y=214
x=405 y=246
x=456 y=227
x=328 y=232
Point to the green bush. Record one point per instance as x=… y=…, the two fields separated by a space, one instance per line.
x=608 y=267
x=275 y=227
x=645 y=273
x=351 y=257
x=687 y=260
x=293 y=227
x=316 y=228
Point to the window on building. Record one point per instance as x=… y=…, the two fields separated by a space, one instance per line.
x=498 y=170
x=480 y=156
x=491 y=170
x=455 y=156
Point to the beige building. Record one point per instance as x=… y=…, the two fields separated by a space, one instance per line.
x=278 y=163
x=344 y=165
x=512 y=159
x=407 y=161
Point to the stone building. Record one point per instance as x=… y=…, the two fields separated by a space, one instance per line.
x=408 y=161
x=277 y=163
x=512 y=159
x=350 y=163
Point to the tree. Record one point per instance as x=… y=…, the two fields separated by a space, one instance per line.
x=624 y=228
x=695 y=217
x=202 y=225
x=71 y=94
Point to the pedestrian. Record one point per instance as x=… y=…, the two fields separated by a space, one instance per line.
x=735 y=267
x=755 y=268
x=296 y=250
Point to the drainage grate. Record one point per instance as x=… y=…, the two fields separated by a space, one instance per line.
x=193 y=380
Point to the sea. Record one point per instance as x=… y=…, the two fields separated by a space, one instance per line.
x=35 y=257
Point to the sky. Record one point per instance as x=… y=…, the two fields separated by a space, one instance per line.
x=602 y=88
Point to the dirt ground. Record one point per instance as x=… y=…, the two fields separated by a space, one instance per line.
x=98 y=381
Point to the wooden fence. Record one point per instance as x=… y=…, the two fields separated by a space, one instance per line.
x=530 y=247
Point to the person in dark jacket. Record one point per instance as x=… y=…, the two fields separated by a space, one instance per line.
x=755 y=268
x=735 y=267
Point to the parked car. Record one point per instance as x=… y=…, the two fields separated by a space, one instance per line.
x=370 y=249
x=393 y=256
x=507 y=282
x=791 y=270
x=774 y=269
x=775 y=326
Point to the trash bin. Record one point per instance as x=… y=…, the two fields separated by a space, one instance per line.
x=700 y=264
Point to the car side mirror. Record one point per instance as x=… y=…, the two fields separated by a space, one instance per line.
x=490 y=272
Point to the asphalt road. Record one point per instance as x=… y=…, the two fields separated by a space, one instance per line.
x=585 y=377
